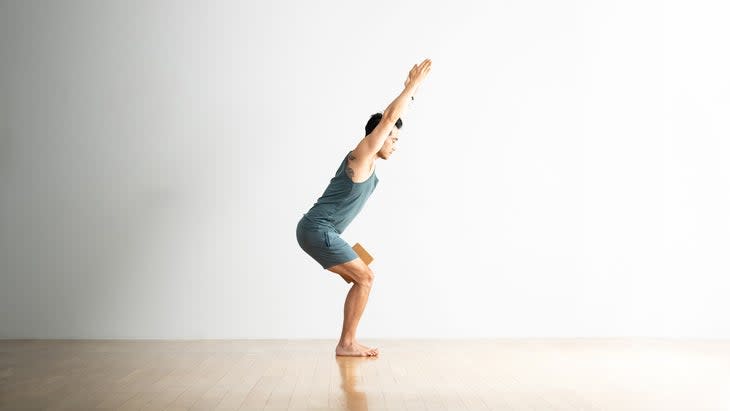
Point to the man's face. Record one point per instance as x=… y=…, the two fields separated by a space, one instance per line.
x=389 y=145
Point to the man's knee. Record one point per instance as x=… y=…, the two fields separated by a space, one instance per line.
x=364 y=277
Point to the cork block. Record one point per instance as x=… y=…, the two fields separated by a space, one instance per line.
x=364 y=255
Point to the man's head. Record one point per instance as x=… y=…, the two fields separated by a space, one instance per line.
x=389 y=145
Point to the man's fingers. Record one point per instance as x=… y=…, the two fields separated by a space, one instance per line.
x=423 y=68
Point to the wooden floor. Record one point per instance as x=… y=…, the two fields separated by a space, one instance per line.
x=492 y=374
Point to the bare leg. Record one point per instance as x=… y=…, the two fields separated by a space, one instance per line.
x=355 y=303
x=356 y=272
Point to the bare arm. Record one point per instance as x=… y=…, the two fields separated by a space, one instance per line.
x=373 y=141
x=395 y=110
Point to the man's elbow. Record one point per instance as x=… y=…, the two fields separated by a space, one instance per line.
x=389 y=117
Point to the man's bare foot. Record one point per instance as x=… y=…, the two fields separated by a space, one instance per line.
x=353 y=350
x=366 y=348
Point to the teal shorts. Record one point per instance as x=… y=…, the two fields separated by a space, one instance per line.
x=323 y=244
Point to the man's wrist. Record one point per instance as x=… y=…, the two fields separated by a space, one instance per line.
x=410 y=89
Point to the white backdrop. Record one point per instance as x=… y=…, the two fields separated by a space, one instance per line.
x=562 y=172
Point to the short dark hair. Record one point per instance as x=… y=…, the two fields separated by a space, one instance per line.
x=375 y=119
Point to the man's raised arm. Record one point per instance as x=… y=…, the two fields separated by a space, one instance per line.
x=393 y=112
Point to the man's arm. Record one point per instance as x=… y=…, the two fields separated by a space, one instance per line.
x=374 y=141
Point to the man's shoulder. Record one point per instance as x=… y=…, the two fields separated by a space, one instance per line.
x=359 y=164
x=359 y=155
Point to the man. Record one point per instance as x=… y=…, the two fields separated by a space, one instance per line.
x=318 y=230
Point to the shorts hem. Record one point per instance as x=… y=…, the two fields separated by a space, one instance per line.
x=332 y=265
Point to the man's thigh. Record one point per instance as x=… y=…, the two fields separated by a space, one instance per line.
x=355 y=270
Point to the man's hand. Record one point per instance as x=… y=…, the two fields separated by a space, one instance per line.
x=418 y=73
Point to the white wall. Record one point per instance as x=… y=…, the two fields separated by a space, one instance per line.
x=562 y=172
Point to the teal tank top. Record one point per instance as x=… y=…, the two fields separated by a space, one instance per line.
x=341 y=201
